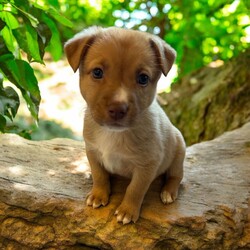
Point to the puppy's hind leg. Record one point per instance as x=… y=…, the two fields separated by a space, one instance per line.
x=173 y=177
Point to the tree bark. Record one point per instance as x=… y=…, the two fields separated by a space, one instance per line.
x=43 y=186
x=210 y=101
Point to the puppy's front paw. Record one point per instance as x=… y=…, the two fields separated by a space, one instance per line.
x=127 y=213
x=97 y=198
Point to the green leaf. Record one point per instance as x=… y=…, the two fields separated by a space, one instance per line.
x=2 y=123
x=22 y=75
x=58 y=17
x=9 y=68
x=32 y=41
x=32 y=104
x=30 y=90
x=55 y=46
x=8 y=38
x=44 y=36
x=49 y=9
x=54 y=3
x=3 y=47
x=2 y=24
x=33 y=20
x=9 y=19
x=27 y=39
x=9 y=102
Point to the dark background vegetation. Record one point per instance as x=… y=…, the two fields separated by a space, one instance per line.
x=202 y=32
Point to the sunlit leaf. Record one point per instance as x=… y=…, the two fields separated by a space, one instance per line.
x=27 y=39
x=33 y=20
x=8 y=38
x=32 y=41
x=58 y=17
x=9 y=19
x=54 y=46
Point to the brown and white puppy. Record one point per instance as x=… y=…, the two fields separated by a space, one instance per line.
x=125 y=130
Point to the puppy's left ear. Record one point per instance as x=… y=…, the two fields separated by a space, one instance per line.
x=165 y=54
x=76 y=48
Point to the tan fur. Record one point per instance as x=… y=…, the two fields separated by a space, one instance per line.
x=125 y=130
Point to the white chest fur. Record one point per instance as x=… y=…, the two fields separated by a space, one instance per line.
x=113 y=152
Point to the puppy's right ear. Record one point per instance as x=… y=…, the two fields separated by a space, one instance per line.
x=77 y=47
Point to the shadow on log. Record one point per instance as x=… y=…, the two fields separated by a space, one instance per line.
x=43 y=186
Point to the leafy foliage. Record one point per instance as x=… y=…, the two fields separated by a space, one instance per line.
x=26 y=31
x=202 y=31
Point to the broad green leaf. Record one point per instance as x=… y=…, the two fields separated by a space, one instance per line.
x=8 y=38
x=58 y=17
x=44 y=36
x=20 y=36
x=32 y=104
x=54 y=14
x=33 y=20
x=22 y=75
x=9 y=19
x=28 y=40
x=55 y=46
x=9 y=102
x=31 y=91
x=32 y=41
x=28 y=80
x=10 y=69
x=45 y=33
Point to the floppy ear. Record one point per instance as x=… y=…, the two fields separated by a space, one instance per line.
x=77 y=47
x=165 y=54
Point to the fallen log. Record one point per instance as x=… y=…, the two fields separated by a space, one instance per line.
x=43 y=186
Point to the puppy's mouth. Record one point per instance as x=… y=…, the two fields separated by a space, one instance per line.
x=115 y=126
x=112 y=125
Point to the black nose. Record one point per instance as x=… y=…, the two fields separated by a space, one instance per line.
x=117 y=110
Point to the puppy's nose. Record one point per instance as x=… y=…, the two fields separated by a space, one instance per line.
x=117 y=110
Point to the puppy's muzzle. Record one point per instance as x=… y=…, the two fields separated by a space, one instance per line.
x=117 y=110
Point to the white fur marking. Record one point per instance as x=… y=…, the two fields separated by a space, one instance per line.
x=121 y=96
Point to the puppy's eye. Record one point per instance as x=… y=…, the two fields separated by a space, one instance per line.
x=143 y=79
x=97 y=73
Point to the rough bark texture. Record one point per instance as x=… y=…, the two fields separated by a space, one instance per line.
x=210 y=101
x=43 y=186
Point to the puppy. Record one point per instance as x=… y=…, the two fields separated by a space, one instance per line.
x=125 y=130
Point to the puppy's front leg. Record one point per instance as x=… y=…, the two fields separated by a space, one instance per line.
x=100 y=192
x=130 y=207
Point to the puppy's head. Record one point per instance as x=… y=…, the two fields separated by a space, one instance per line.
x=119 y=70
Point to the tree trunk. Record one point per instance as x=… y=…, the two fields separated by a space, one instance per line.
x=210 y=101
